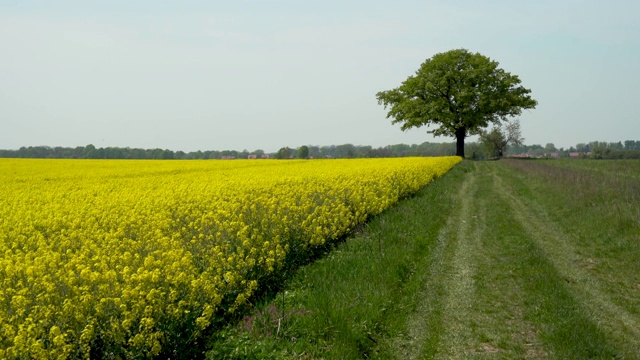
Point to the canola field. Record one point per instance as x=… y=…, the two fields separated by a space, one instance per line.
x=127 y=258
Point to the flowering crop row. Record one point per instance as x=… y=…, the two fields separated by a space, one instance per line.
x=128 y=258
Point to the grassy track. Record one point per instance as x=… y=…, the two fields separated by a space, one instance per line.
x=507 y=259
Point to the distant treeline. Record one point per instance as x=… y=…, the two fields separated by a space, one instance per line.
x=629 y=149
x=91 y=152
x=333 y=151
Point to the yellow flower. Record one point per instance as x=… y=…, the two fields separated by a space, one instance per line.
x=146 y=245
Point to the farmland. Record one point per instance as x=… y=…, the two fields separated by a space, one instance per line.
x=504 y=259
x=137 y=259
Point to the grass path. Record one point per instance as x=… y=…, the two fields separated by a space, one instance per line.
x=503 y=283
x=475 y=266
x=459 y=279
x=465 y=312
x=450 y=271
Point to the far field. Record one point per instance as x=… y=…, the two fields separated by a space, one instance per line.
x=503 y=259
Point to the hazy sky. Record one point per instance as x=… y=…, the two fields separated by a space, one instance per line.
x=215 y=75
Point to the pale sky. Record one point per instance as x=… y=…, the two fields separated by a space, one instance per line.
x=215 y=75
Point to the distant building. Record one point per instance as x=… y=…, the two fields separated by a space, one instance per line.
x=255 y=156
x=523 y=155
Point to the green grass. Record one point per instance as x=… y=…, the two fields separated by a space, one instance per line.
x=506 y=259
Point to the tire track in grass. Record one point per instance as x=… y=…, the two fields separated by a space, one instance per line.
x=457 y=337
x=438 y=323
x=467 y=316
x=551 y=240
x=500 y=327
x=454 y=318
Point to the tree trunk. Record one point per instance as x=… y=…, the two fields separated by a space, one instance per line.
x=460 y=135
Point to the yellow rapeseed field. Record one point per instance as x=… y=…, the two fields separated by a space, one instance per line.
x=127 y=258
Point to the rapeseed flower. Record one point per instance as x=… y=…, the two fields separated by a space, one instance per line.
x=130 y=255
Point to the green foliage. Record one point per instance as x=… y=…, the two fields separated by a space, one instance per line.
x=549 y=148
x=458 y=91
x=497 y=140
x=303 y=152
x=284 y=153
x=630 y=149
x=493 y=142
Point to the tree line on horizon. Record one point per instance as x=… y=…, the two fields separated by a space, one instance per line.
x=629 y=149
x=331 y=151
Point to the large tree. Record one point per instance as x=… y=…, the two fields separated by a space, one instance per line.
x=460 y=92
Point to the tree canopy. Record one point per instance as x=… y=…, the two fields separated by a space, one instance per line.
x=303 y=152
x=460 y=92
